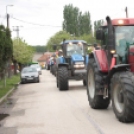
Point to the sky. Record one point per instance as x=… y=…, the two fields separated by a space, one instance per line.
x=39 y=20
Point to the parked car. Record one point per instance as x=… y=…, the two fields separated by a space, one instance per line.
x=29 y=74
x=38 y=67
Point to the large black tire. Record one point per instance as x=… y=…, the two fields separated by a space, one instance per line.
x=84 y=82
x=53 y=70
x=94 y=85
x=57 y=79
x=122 y=89
x=62 y=78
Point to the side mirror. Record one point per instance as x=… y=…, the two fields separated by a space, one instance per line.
x=99 y=34
x=54 y=47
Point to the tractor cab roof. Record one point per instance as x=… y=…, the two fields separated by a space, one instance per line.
x=122 y=22
x=73 y=41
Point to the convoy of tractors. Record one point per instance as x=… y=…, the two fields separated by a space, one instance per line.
x=107 y=72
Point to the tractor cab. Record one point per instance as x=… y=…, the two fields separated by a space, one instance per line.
x=74 y=51
x=73 y=47
x=117 y=37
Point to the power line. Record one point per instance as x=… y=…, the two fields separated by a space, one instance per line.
x=33 y=23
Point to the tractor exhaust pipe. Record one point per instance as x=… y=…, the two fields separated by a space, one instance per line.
x=111 y=40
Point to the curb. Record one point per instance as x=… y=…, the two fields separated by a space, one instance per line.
x=8 y=93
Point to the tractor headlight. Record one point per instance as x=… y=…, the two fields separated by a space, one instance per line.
x=77 y=66
x=112 y=51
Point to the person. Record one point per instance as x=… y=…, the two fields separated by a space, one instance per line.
x=124 y=44
x=97 y=46
x=60 y=53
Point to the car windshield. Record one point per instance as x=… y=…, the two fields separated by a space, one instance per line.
x=75 y=49
x=29 y=70
x=35 y=65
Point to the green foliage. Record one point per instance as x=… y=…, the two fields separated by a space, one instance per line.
x=22 y=52
x=11 y=82
x=75 y=22
x=88 y=38
x=40 y=49
x=76 y=25
x=6 y=47
x=56 y=39
x=97 y=24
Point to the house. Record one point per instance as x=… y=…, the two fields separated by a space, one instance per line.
x=42 y=59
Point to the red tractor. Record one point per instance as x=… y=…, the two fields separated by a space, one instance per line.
x=110 y=69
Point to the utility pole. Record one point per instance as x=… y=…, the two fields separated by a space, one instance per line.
x=8 y=68
x=7 y=15
x=8 y=20
x=16 y=28
x=126 y=12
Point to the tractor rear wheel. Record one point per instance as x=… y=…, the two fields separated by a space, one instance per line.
x=123 y=96
x=62 y=78
x=94 y=85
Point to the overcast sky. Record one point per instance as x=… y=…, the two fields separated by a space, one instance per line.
x=49 y=14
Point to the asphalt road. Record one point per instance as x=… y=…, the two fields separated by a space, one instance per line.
x=40 y=108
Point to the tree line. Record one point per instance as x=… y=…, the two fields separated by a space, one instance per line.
x=75 y=25
x=12 y=51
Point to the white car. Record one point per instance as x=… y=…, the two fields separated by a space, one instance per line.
x=38 y=67
x=29 y=74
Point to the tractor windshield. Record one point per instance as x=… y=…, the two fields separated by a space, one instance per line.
x=75 y=49
x=125 y=33
x=124 y=37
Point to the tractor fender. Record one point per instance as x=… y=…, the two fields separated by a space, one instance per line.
x=117 y=68
x=100 y=59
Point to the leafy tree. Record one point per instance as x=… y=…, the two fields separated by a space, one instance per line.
x=70 y=14
x=75 y=22
x=5 y=48
x=56 y=39
x=22 y=52
x=85 y=24
x=97 y=24
x=39 y=49
x=88 y=38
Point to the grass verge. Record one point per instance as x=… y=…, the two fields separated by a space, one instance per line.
x=10 y=83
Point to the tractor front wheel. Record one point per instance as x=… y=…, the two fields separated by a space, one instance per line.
x=95 y=85
x=123 y=96
x=62 y=78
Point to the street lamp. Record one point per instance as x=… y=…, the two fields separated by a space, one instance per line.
x=7 y=15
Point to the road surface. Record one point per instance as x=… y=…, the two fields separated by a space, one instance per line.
x=40 y=108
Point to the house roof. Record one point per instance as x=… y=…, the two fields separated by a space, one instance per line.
x=45 y=56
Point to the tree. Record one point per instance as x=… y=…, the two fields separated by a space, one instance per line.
x=75 y=22
x=85 y=23
x=56 y=39
x=39 y=49
x=97 y=24
x=70 y=15
x=22 y=52
x=5 y=48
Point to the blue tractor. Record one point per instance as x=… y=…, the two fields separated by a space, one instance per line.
x=72 y=64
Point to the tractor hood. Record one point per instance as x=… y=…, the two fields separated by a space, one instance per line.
x=77 y=57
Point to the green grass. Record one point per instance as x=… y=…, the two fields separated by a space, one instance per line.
x=10 y=83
